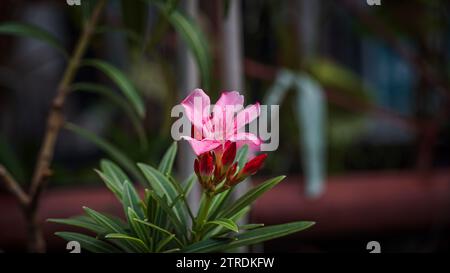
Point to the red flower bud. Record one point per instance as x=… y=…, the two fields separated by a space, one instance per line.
x=252 y=166
x=206 y=165
x=231 y=172
x=229 y=153
x=197 y=166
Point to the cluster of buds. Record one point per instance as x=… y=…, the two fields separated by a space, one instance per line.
x=217 y=170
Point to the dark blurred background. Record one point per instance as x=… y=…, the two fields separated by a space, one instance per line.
x=368 y=161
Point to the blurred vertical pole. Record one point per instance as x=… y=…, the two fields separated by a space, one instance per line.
x=232 y=62
x=188 y=80
x=231 y=48
x=307 y=26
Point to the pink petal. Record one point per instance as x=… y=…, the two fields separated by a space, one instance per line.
x=195 y=106
x=246 y=138
x=247 y=115
x=224 y=111
x=230 y=98
x=202 y=146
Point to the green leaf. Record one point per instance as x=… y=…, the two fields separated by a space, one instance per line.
x=131 y=199
x=189 y=184
x=136 y=242
x=111 y=225
x=179 y=226
x=219 y=203
x=153 y=207
x=124 y=105
x=226 y=223
x=107 y=147
x=160 y=229
x=111 y=185
x=250 y=226
x=247 y=238
x=194 y=38
x=114 y=172
x=30 y=31
x=164 y=242
x=104 y=221
x=138 y=228
x=166 y=164
x=89 y=243
x=113 y=177
x=249 y=197
x=82 y=222
x=171 y=250
x=119 y=78
x=241 y=156
x=163 y=187
x=238 y=215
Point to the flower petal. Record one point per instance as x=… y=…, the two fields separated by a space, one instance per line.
x=202 y=146
x=246 y=138
x=230 y=98
x=247 y=115
x=195 y=106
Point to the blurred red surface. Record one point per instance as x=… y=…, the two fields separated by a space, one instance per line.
x=364 y=203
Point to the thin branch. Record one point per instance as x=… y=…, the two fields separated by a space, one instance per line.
x=14 y=187
x=55 y=118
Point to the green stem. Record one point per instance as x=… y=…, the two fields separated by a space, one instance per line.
x=202 y=216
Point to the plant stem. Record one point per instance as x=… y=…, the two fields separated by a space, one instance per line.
x=42 y=172
x=13 y=186
x=202 y=216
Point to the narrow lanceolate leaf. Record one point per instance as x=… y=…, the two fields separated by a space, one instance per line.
x=107 y=147
x=164 y=242
x=248 y=238
x=119 y=78
x=114 y=172
x=88 y=243
x=170 y=215
x=250 y=226
x=111 y=185
x=163 y=187
x=160 y=229
x=166 y=164
x=189 y=184
x=112 y=226
x=226 y=223
x=163 y=231
x=136 y=242
x=82 y=222
x=131 y=199
x=138 y=228
x=113 y=177
x=103 y=220
x=30 y=31
x=218 y=204
x=248 y=198
x=194 y=38
x=118 y=100
x=241 y=156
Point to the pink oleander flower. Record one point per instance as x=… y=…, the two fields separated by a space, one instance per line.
x=212 y=128
x=217 y=134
